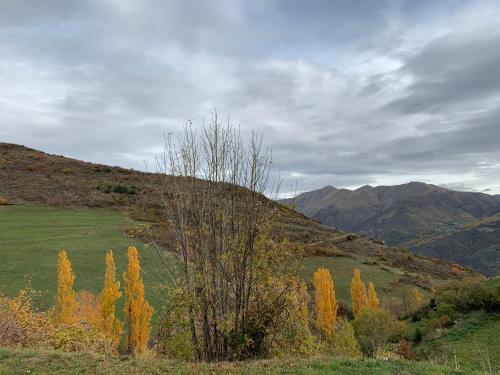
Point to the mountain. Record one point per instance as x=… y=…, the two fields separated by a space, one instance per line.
x=414 y=215
x=28 y=176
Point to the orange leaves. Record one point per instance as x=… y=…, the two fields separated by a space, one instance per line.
x=137 y=310
x=66 y=303
x=373 y=300
x=110 y=326
x=20 y=323
x=87 y=308
x=359 y=298
x=326 y=303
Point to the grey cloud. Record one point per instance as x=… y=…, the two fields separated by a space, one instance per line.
x=453 y=70
x=102 y=81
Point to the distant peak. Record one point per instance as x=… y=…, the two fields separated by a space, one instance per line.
x=365 y=187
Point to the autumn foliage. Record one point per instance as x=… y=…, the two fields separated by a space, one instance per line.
x=66 y=302
x=20 y=323
x=138 y=312
x=109 y=325
x=326 y=303
x=373 y=300
x=359 y=297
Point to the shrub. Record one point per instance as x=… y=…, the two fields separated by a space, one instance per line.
x=374 y=328
x=120 y=189
x=404 y=349
x=345 y=343
x=417 y=337
x=3 y=201
x=443 y=322
x=80 y=336
x=293 y=335
x=20 y=323
x=173 y=339
x=344 y=310
x=470 y=294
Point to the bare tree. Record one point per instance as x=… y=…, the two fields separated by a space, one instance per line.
x=216 y=206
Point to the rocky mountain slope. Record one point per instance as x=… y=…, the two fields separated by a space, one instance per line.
x=430 y=219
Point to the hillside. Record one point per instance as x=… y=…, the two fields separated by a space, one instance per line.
x=411 y=214
x=476 y=245
x=31 y=177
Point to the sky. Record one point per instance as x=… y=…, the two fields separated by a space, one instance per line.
x=345 y=93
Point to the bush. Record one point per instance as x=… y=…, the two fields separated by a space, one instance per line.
x=20 y=323
x=120 y=189
x=470 y=294
x=417 y=337
x=404 y=349
x=374 y=328
x=173 y=338
x=81 y=336
x=345 y=343
x=3 y=201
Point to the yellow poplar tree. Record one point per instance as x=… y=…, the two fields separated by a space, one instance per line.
x=110 y=326
x=373 y=300
x=359 y=300
x=326 y=303
x=137 y=310
x=66 y=302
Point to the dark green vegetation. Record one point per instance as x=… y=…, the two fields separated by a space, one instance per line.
x=463 y=326
x=474 y=343
x=39 y=362
x=456 y=226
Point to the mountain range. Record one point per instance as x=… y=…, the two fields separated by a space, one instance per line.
x=462 y=227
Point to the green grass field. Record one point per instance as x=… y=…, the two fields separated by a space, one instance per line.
x=51 y=362
x=474 y=341
x=31 y=237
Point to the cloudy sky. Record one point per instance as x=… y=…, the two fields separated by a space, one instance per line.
x=346 y=93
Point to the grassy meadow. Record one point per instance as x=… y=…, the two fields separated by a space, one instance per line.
x=50 y=362
x=32 y=236
x=474 y=342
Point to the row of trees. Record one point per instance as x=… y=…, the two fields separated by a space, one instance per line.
x=81 y=320
x=99 y=312
x=372 y=326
